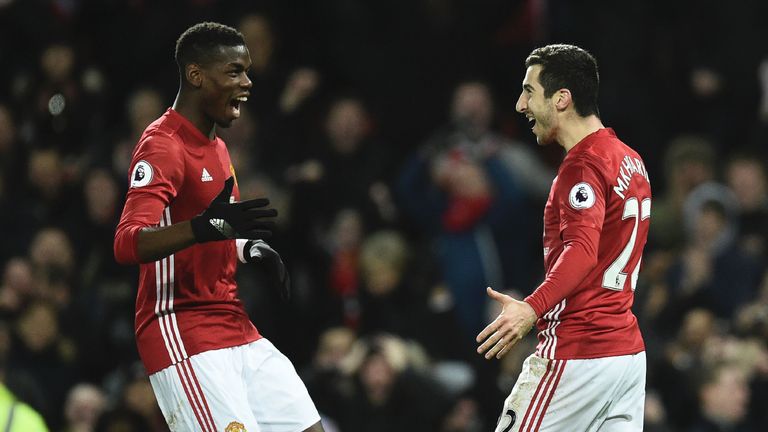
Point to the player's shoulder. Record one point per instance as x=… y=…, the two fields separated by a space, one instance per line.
x=609 y=144
x=160 y=136
x=588 y=157
x=605 y=152
x=598 y=160
x=157 y=149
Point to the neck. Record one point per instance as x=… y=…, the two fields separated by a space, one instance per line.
x=185 y=105
x=574 y=128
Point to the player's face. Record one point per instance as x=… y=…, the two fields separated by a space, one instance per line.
x=227 y=85
x=539 y=110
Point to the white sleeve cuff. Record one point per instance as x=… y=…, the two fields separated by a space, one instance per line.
x=240 y=244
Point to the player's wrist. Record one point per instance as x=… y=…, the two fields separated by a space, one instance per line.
x=203 y=230
x=532 y=314
x=198 y=230
x=534 y=306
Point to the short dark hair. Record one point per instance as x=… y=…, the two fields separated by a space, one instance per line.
x=200 y=43
x=571 y=67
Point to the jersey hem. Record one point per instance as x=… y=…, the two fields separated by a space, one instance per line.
x=597 y=356
x=153 y=370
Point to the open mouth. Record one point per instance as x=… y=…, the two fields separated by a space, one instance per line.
x=234 y=104
x=532 y=122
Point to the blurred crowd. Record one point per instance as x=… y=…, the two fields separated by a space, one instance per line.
x=385 y=135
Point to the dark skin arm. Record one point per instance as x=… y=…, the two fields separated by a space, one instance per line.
x=155 y=243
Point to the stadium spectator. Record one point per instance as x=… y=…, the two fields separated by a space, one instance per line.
x=713 y=270
x=688 y=162
x=460 y=193
x=724 y=394
x=745 y=175
x=15 y=415
x=84 y=405
x=388 y=390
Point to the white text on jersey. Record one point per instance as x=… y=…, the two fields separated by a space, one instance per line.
x=629 y=166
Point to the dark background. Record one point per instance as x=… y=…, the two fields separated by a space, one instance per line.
x=685 y=83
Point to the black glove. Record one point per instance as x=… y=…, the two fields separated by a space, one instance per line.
x=223 y=220
x=277 y=275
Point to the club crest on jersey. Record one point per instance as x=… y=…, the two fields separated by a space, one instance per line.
x=142 y=174
x=235 y=427
x=581 y=196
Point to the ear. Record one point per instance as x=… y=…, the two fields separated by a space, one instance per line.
x=194 y=75
x=563 y=99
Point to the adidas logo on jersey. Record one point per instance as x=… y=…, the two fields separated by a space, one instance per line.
x=206 y=177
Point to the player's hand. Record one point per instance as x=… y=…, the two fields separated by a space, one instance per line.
x=224 y=220
x=512 y=324
x=277 y=274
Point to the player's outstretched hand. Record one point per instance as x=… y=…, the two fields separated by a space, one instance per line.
x=224 y=220
x=277 y=274
x=512 y=324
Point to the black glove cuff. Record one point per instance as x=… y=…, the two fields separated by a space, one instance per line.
x=200 y=229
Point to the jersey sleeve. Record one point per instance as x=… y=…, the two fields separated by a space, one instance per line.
x=581 y=193
x=156 y=175
x=578 y=258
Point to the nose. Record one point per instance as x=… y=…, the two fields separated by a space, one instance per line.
x=521 y=104
x=246 y=81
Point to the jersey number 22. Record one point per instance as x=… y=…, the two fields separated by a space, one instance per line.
x=614 y=276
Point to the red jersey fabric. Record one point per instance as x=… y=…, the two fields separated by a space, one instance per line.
x=186 y=303
x=595 y=227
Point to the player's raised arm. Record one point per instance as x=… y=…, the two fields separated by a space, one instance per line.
x=222 y=220
x=157 y=173
x=154 y=243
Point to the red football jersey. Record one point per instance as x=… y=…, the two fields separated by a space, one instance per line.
x=187 y=302
x=595 y=227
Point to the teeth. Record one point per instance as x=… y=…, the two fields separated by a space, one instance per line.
x=242 y=99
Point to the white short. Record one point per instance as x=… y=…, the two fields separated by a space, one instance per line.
x=251 y=387
x=604 y=394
